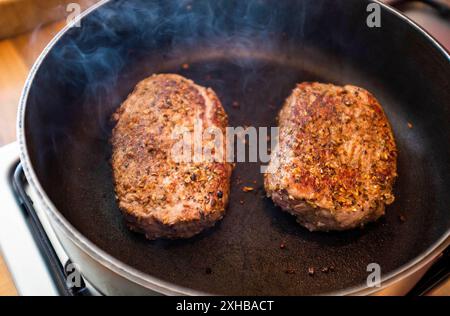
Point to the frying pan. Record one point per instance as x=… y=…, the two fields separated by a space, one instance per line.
x=252 y=52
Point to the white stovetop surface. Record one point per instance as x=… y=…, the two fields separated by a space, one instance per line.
x=17 y=246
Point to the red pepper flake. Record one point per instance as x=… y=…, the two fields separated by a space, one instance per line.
x=410 y=125
x=282 y=245
x=242 y=202
x=235 y=105
x=311 y=271
x=185 y=66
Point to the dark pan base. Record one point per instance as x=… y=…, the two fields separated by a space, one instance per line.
x=242 y=254
x=68 y=128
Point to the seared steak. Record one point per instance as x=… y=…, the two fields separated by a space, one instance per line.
x=161 y=196
x=336 y=161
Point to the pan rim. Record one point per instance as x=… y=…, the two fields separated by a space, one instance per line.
x=156 y=284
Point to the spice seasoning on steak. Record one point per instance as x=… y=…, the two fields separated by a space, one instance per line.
x=336 y=162
x=157 y=195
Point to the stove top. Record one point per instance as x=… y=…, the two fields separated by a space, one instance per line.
x=25 y=262
x=35 y=258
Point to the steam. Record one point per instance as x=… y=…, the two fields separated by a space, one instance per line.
x=94 y=57
x=97 y=64
x=91 y=69
x=96 y=49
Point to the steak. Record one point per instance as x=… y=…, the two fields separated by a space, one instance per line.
x=158 y=195
x=336 y=160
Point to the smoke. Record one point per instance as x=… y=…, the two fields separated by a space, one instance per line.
x=92 y=68
x=98 y=58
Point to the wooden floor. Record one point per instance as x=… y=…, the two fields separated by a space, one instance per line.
x=17 y=55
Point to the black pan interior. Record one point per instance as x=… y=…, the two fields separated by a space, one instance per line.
x=252 y=52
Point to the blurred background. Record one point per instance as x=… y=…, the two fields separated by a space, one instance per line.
x=27 y=26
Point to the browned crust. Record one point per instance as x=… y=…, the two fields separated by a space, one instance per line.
x=337 y=157
x=157 y=195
